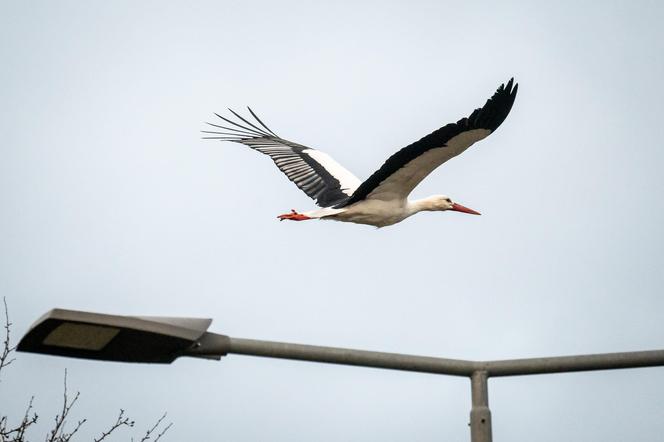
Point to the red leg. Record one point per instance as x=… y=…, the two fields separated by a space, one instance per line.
x=293 y=216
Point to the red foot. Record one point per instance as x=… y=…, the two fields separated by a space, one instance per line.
x=293 y=216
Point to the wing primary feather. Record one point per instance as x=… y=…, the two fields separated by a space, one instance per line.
x=261 y=122
x=219 y=133
x=298 y=174
x=256 y=133
x=304 y=182
x=221 y=138
x=233 y=129
x=249 y=122
x=289 y=161
x=318 y=193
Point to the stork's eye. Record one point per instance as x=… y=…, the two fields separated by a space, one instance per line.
x=448 y=200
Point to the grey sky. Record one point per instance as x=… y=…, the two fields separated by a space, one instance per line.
x=111 y=203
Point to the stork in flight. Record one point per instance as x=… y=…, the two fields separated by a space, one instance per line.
x=382 y=199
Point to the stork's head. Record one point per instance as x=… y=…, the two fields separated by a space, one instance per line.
x=442 y=202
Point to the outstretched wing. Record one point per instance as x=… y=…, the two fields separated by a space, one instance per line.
x=313 y=171
x=404 y=170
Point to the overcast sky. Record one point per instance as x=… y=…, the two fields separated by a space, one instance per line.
x=111 y=202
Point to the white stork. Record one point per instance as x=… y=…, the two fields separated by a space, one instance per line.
x=382 y=199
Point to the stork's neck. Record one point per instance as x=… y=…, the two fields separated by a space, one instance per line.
x=424 y=204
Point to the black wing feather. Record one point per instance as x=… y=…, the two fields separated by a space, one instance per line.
x=291 y=158
x=490 y=117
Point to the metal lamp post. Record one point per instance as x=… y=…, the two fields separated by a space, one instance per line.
x=162 y=340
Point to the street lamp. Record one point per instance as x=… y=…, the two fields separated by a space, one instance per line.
x=122 y=338
x=162 y=340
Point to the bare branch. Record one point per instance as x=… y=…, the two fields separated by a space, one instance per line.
x=19 y=430
x=163 y=431
x=154 y=427
x=122 y=420
x=65 y=437
x=58 y=434
x=6 y=347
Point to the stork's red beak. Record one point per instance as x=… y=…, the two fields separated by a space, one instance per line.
x=459 y=208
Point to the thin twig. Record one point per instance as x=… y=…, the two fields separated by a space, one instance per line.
x=154 y=427
x=7 y=348
x=20 y=430
x=163 y=431
x=65 y=437
x=122 y=420
x=58 y=434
